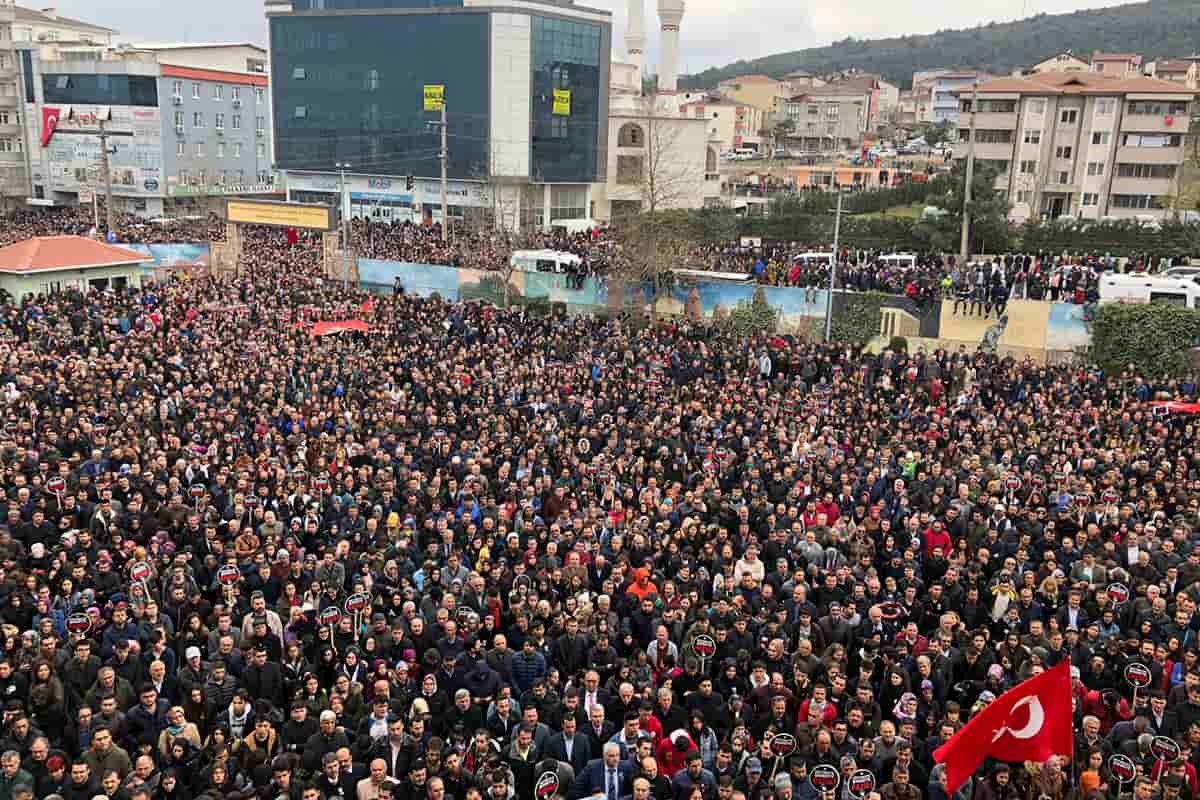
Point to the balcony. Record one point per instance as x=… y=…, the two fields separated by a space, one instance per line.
x=1154 y=123
x=993 y=120
x=1149 y=155
x=1152 y=186
x=985 y=150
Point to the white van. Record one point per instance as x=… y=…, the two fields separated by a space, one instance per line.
x=905 y=260
x=744 y=154
x=813 y=257
x=543 y=261
x=1116 y=288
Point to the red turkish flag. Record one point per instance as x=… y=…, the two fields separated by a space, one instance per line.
x=368 y=306
x=50 y=117
x=1030 y=722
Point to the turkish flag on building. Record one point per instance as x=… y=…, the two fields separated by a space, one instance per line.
x=50 y=118
x=1030 y=722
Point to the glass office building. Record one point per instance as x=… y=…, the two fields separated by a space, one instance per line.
x=348 y=79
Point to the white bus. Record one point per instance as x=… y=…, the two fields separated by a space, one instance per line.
x=1176 y=291
x=543 y=261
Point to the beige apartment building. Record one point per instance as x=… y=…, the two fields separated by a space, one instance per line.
x=1080 y=144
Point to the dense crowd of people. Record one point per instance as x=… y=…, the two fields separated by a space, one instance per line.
x=478 y=553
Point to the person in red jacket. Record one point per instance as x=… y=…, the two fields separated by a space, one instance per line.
x=672 y=751
x=1107 y=706
x=935 y=536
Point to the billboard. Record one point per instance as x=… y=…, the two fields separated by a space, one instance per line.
x=135 y=150
x=280 y=214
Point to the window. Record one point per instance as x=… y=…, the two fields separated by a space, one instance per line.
x=1068 y=116
x=180 y=148
x=199 y=149
x=1151 y=140
x=630 y=135
x=1105 y=105
x=177 y=89
x=235 y=92
x=185 y=177
x=237 y=149
x=1090 y=199
x=195 y=91
x=1100 y=137
x=218 y=91
x=1158 y=171
x=629 y=169
x=260 y=124
x=301 y=112
x=1136 y=201
x=197 y=119
x=832 y=110
x=237 y=122
x=1037 y=105
x=1033 y=136
x=4 y=118
x=220 y=149
x=1062 y=151
x=813 y=109
x=259 y=94
x=241 y=176
x=1156 y=108
x=997 y=106
x=219 y=123
x=299 y=74
x=1028 y=167
x=202 y=177
x=993 y=137
x=260 y=150
x=178 y=119
x=1064 y=177
x=10 y=145
x=371 y=80
x=1095 y=168
x=1024 y=196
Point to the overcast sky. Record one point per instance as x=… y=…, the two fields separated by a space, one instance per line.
x=714 y=32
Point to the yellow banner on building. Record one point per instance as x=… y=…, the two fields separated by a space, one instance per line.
x=562 y=102
x=435 y=97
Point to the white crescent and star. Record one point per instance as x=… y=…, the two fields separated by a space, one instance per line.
x=1037 y=716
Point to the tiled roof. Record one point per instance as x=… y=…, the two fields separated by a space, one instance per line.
x=49 y=253
x=1076 y=83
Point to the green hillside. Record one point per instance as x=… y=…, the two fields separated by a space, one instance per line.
x=1160 y=28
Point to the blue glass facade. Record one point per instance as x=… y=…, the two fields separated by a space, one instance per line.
x=101 y=90
x=356 y=5
x=566 y=55
x=348 y=88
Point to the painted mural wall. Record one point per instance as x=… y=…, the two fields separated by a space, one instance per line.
x=174 y=255
x=798 y=307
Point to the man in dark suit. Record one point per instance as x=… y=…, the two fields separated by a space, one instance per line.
x=570 y=746
x=608 y=776
x=599 y=730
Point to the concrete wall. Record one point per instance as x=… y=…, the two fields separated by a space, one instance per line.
x=41 y=282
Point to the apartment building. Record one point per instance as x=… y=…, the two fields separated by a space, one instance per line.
x=1117 y=65
x=943 y=93
x=1176 y=70
x=1079 y=144
x=828 y=119
x=761 y=91
x=730 y=125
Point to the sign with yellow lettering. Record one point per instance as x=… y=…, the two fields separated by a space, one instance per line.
x=562 y=102
x=435 y=97
x=283 y=215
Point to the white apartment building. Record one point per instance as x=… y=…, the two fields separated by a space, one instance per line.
x=1079 y=144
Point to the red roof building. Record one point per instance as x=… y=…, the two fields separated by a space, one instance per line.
x=56 y=263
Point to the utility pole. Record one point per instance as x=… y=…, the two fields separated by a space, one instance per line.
x=108 y=199
x=964 y=244
x=833 y=261
x=445 y=208
x=343 y=217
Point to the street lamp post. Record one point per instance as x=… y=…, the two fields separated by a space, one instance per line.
x=342 y=166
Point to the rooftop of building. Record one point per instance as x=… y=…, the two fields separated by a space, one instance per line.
x=51 y=253
x=1082 y=83
x=48 y=17
x=194 y=45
